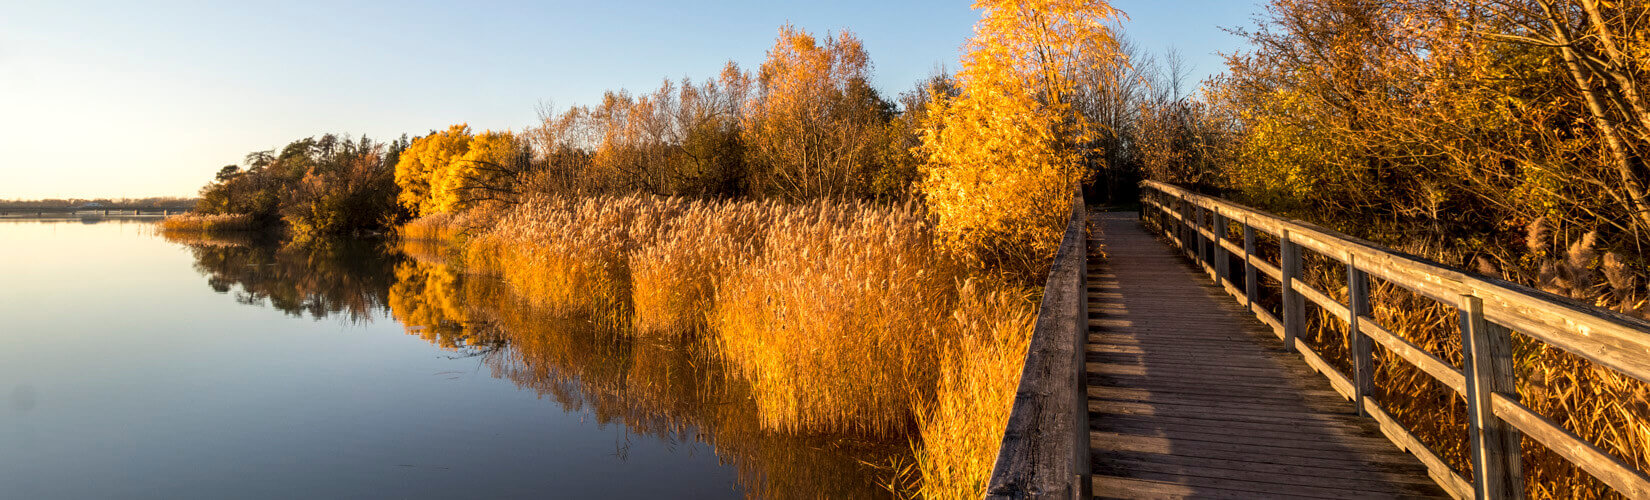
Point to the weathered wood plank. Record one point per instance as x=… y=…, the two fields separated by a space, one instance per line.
x=1359 y=346
x=1398 y=474
x=1251 y=283
x=1126 y=487
x=1294 y=310
x=1269 y=484
x=1334 y=307
x=1040 y=456
x=1494 y=445
x=1178 y=371
x=1415 y=355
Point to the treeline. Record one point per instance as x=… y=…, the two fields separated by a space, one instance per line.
x=807 y=125
x=158 y=202
x=317 y=186
x=992 y=153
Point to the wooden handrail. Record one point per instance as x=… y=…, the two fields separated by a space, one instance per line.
x=1045 y=450
x=1490 y=309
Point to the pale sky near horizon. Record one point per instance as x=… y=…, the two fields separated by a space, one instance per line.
x=136 y=99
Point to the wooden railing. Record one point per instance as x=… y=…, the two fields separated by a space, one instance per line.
x=1045 y=450
x=1489 y=311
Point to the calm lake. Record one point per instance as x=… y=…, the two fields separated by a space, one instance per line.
x=140 y=366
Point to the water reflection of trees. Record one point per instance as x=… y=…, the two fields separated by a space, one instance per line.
x=349 y=279
x=672 y=391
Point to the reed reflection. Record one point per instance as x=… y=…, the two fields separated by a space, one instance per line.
x=673 y=390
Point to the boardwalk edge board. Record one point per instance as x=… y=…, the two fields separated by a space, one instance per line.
x=1044 y=452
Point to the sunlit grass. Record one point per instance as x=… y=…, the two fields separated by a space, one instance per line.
x=962 y=428
x=438 y=227
x=843 y=318
x=203 y=223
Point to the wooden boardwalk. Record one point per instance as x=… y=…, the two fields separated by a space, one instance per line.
x=1190 y=395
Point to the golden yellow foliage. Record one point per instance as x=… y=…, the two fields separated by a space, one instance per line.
x=423 y=162
x=1002 y=159
x=473 y=176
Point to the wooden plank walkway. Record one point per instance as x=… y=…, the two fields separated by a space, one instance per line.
x=1191 y=396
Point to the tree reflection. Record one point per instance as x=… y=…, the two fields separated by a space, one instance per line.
x=319 y=279
x=675 y=391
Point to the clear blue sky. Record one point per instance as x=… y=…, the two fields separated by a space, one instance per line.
x=149 y=98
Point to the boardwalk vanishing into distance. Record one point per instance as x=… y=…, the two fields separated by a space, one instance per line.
x=1189 y=395
x=1164 y=366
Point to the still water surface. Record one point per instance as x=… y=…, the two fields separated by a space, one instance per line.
x=134 y=366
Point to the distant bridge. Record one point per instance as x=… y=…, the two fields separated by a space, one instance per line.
x=88 y=212
x=1144 y=380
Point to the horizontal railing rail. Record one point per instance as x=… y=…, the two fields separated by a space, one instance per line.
x=1045 y=450
x=1489 y=310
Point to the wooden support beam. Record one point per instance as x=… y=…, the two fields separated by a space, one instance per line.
x=1494 y=444
x=1294 y=306
x=1222 y=263
x=1251 y=282
x=1359 y=346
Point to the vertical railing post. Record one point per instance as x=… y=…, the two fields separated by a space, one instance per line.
x=1251 y=282
x=1204 y=256
x=1487 y=349
x=1222 y=263
x=1197 y=233
x=1294 y=308
x=1360 y=346
x=1186 y=226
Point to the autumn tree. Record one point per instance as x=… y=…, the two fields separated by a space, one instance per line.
x=1176 y=137
x=423 y=162
x=1468 y=115
x=1004 y=155
x=902 y=160
x=816 y=127
x=681 y=139
x=1604 y=50
x=1110 y=95
x=329 y=185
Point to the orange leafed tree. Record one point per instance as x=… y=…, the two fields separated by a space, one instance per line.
x=1003 y=155
x=483 y=173
x=817 y=126
x=423 y=162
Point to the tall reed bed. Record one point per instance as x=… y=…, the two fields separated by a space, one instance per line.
x=843 y=318
x=206 y=223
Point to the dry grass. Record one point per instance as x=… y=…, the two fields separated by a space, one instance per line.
x=449 y=228
x=844 y=319
x=962 y=428
x=200 y=223
x=837 y=321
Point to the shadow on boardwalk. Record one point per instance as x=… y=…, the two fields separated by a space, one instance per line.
x=1191 y=396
